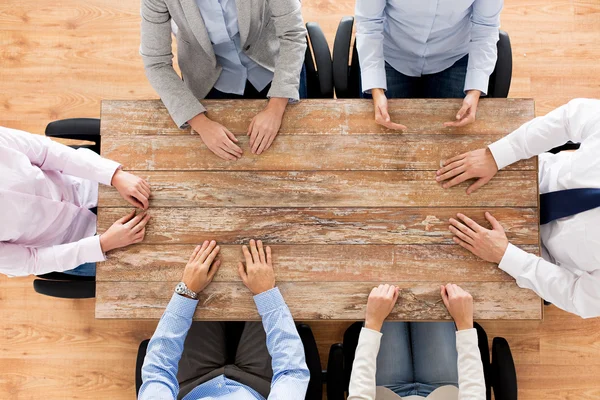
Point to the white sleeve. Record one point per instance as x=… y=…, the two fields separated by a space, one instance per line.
x=370 y=18
x=569 y=122
x=471 y=382
x=362 y=380
x=18 y=260
x=577 y=294
x=53 y=156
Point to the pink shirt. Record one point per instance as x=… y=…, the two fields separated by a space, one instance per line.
x=46 y=190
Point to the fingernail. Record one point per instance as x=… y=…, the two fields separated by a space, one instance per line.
x=437 y=178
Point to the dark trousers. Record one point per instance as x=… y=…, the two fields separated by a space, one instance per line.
x=209 y=352
x=446 y=84
x=250 y=91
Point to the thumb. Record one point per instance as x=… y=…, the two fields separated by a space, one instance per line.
x=463 y=110
x=126 y=218
x=444 y=295
x=495 y=224
x=242 y=272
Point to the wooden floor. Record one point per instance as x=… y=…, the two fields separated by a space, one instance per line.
x=59 y=59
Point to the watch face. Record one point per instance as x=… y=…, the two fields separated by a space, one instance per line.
x=180 y=288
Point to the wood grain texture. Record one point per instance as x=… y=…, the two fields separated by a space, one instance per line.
x=326 y=189
x=307 y=263
x=345 y=300
x=320 y=225
x=322 y=117
x=300 y=152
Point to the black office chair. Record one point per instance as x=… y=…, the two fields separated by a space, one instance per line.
x=500 y=374
x=313 y=362
x=346 y=72
x=319 y=71
x=58 y=284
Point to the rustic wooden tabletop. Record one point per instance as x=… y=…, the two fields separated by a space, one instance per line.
x=344 y=203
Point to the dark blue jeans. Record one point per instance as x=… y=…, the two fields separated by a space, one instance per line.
x=251 y=93
x=446 y=84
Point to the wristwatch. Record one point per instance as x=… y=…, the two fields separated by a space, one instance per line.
x=183 y=290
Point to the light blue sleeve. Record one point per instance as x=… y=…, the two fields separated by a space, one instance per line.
x=159 y=373
x=370 y=19
x=290 y=373
x=483 y=51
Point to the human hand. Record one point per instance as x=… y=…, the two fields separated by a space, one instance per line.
x=125 y=231
x=258 y=275
x=478 y=164
x=459 y=304
x=265 y=125
x=216 y=137
x=133 y=189
x=381 y=110
x=379 y=305
x=467 y=112
x=487 y=244
x=202 y=267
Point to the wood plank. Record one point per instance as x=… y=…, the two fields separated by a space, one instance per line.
x=314 y=116
x=345 y=300
x=325 y=152
x=331 y=263
x=188 y=225
x=326 y=189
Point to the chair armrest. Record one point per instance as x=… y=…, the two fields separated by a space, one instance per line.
x=66 y=289
x=75 y=128
x=141 y=355
x=504 y=374
x=484 y=350
x=313 y=362
x=322 y=56
x=500 y=79
x=60 y=276
x=341 y=57
x=567 y=146
x=336 y=386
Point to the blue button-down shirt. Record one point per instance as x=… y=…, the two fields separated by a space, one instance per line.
x=290 y=374
x=420 y=37
x=220 y=19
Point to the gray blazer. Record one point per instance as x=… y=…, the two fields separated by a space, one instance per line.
x=272 y=34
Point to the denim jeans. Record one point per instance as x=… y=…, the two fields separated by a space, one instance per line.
x=251 y=93
x=446 y=84
x=415 y=358
x=87 y=269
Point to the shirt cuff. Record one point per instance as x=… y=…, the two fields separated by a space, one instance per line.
x=477 y=80
x=503 y=153
x=466 y=338
x=373 y=79
x=513 y=261
x=182 y=306
x=269 y=301
x=90 y=250
x=371 y=335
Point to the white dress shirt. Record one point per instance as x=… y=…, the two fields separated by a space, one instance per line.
x=471 y=382
x=568 y=275
x=220 y=19
x=421 y=37
x=46 y=191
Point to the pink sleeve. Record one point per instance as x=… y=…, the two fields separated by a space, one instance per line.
x=18 y=260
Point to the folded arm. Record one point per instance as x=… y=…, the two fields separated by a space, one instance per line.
x=290 y=373
x=18 y=260
x=370 y=18
x=157 y=56
x=53 y=156
x=483 y=51
x=159 y=372
x=290 y=30
x=577 y=294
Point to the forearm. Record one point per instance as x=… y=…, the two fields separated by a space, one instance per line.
x=290 y=30
x=369 y=43
x=364 y=369
x=17 y=260
x=290 y=373
x=159 y=372
x=471 y=381
x=571 y=292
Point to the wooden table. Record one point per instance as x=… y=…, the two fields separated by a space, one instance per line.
x=344 y=203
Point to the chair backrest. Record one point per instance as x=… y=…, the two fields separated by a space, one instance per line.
x=317 y=61
x=346 y=71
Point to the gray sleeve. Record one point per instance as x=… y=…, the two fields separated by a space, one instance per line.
x=157 y=56
x=290 y=30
